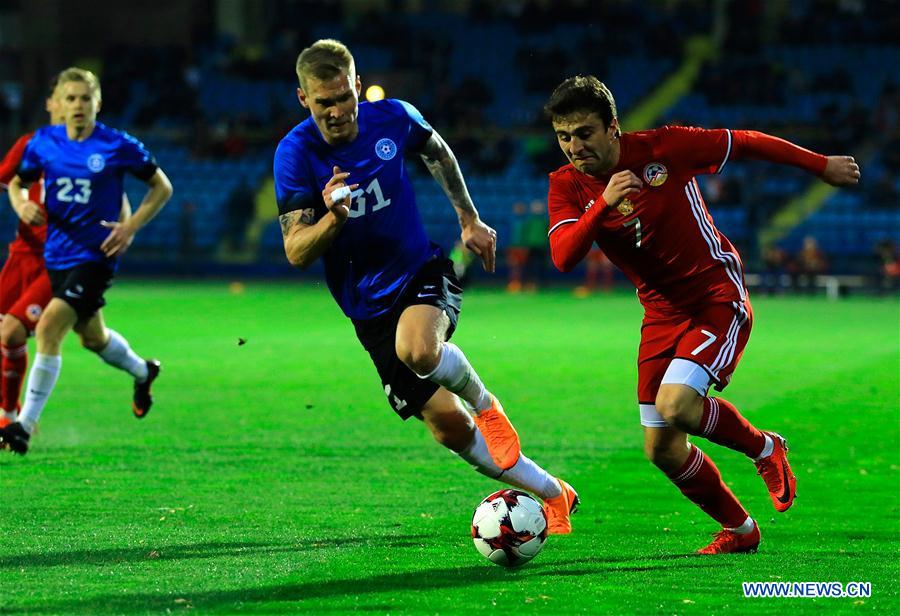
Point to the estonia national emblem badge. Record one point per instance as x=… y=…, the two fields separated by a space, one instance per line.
x=655 y=174
x=96 y=163
x=626 y=207
x=385 y=149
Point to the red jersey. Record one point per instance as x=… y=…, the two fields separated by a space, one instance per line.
x=29 y=238
x=663 y=237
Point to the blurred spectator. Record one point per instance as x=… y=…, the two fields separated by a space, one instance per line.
x=776 y=265
x=887 y=266
x=517 y=252
x=240 y=209
x=810 y=262
x=234 y=144
x=527 y=255
x=535 y=238
x=599 y=274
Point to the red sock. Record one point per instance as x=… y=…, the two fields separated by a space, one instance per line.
x=699 y=480
x=724 y=425
x=12 y=367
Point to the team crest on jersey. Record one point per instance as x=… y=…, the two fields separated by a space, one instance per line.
x=96 y=163
x=386 y=149
x=656 y=174
x=33 y=311
x=626 y=207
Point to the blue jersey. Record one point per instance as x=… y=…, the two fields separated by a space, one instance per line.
x=383 y=243
x=83 y=182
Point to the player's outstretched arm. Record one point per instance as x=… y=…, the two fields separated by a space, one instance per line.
x=121 y=234
x=834 y=170
x=305 y=239
x=28 y=211
x=476 y=236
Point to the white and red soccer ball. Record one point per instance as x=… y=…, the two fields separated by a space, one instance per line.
x=509 y=528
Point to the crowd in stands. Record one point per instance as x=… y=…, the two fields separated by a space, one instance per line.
x=805 y=70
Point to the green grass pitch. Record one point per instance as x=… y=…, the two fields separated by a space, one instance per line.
x=271 y=477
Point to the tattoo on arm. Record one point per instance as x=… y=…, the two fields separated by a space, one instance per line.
x=289 y=220
x=308 y=216
x=444 y=168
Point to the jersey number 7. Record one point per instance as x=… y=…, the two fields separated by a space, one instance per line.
x=636 y=223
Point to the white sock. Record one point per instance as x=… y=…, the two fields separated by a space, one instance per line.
x=524 y=474
x=528 y=475
x=744 y=528
x=41 y=379
x=119 y=354
x=767 y=449
x=456 y=374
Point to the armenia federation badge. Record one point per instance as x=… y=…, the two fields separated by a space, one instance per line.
x=34 y=312
x=626 y=207
x=656 y=174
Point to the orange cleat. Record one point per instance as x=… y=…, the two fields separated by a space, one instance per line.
x=777 y=474
x=499 y=435
x=143 y=399
x=729 y=542
x=559 y=508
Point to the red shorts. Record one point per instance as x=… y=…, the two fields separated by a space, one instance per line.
x=24 y=288
x=714 y=338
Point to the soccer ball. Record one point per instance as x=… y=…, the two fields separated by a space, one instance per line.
x=509 y=528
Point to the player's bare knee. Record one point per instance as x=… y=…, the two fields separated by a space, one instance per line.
x=447 y=438
x=454 y=435
x=46 y=332
x=665 y=455
x=12 y=332
x=669 y=408
x=676 y=410
x=93 y=343
x=419 y=355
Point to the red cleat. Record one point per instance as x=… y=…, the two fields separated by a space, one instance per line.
x=729 y=542
x=777 y=474
x=499 y=435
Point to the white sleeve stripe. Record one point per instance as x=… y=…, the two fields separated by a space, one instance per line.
x=559 y=224
x=727 y=152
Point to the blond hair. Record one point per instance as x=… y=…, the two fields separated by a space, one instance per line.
x=74 y=73
x=323 y=60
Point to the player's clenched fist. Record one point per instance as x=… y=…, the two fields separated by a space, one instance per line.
x=841 y=171
x=338 y=195
x=621 y=185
